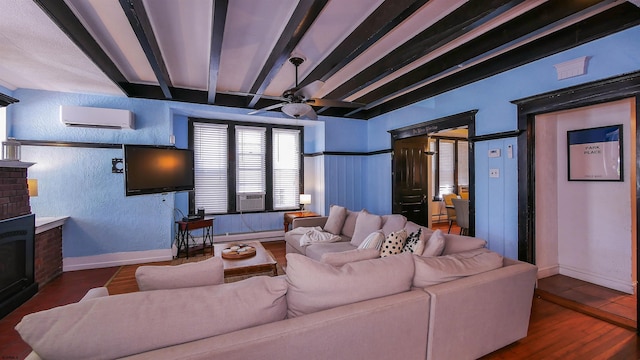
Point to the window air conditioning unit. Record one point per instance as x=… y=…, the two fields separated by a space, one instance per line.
x=96 y=117
x=250 y=202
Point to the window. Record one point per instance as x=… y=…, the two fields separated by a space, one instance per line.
x=286 y=168
x=450 y=165
x=233 y=159
x=251 y=168
x=210 y=161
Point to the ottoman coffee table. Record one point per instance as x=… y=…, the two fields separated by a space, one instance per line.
x=262 y=263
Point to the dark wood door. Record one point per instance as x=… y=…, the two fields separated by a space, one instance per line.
x=411 y=179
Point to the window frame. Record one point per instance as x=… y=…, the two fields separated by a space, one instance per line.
x=232 y=162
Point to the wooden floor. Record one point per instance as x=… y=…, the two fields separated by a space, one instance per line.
x=555 y=332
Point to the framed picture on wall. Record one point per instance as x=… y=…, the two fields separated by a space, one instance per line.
x=595 y=154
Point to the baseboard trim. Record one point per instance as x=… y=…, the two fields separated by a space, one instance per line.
x=616 y=284
x=548 y=271
x=139 y=257
x=115 y=259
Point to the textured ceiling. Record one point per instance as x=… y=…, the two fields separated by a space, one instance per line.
x=382 y=54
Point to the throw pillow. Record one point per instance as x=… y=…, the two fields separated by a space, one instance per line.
x=438 y=269
x=373 y=241
x=393 y=243
x=393 y=222
x=201 y=273
x=344 y=257
x=435 y=245
x=314 y=286
x=459 y=243
x=335 y=221
x=413 y=242
x=350 y=223
x=112 y=327
x=365 y=224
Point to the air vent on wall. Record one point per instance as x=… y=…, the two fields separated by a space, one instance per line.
x=80 y=116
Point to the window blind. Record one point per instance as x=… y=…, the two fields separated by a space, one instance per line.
x=251 y=166
x=447 y=158
x=463 y=162
x=286 y=168
x=210 y=155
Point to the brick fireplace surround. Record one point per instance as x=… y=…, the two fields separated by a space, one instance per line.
x=14 y=201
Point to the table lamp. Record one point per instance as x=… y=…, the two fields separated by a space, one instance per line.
x=305 y=199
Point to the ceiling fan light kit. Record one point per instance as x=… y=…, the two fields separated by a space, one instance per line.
x=296 y=110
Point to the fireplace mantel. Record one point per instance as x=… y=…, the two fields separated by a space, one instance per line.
x=15 y=164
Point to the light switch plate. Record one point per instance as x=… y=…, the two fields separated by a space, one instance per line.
x=494 y=153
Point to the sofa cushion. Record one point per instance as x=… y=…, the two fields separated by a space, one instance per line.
x=393 y=222
x=438 y=269
x=414 y=243
x=345 y=257
x=120 y=325
x=314 y=286
x=350 y=223
x=335 y=221
x=373 y=241
x=458 y=243
x=435 y=245
x=201 y=273
x=365 y=224
x=393 y=244
x=315 y=251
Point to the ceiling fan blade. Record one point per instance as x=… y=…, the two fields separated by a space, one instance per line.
x=307 y=92
x=334 y=103
x=267 y=108
x=240 y=93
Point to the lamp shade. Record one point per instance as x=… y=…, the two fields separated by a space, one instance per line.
x=305 y=199
x=32 y=185
x=296 y=109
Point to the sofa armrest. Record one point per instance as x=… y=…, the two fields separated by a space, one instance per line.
x=309 y=221
x=483 y=313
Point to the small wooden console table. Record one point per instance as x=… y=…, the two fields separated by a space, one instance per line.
x=289 y=216
x=183 y=234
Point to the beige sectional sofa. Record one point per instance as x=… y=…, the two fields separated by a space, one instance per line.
x=395 y=307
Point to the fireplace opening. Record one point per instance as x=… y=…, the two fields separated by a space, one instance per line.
x=17 y=283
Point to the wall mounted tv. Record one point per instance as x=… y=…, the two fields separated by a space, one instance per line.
x=150 y=169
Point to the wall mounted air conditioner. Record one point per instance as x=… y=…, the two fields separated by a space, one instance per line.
x=96 y=117
x=250 y=202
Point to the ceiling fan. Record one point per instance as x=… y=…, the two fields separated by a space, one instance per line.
x=299 y=102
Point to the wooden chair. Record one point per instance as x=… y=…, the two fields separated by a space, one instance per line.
x=451 y=212
x=461 y=208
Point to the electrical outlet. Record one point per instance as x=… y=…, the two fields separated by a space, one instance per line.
x=494 y=173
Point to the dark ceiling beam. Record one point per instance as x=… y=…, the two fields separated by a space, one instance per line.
x=304 y=15
x=382 y=20
x=522 y=26
x=459 y=22
x=139 y=20
x=66 y=20
x=617 y=19
x=217 y=34
x=6 y=100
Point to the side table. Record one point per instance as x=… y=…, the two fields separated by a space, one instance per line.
x=289 y=216
x=183 y=234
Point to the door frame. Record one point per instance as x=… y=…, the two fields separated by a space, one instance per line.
x=465 y=119
x=592 y=93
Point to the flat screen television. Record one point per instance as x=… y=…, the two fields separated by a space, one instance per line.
x=151 y=169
